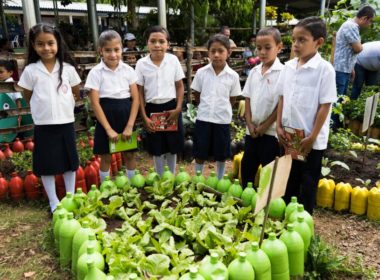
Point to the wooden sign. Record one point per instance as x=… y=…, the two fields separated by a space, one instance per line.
x=370 y=111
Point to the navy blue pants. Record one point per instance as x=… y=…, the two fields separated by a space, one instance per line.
x=260 y=150
x=303 y=180
x=362 y=75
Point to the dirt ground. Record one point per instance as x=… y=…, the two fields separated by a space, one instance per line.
x=27 y=250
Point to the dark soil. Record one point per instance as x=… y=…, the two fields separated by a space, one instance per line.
x=358 y=168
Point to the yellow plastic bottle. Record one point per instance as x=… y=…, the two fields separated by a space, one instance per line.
x=342 y=196
x=359 y=200
x=237 y=164
x=373 y=211
x=325 y=193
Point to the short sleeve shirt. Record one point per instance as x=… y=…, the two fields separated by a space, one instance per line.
x=111 y=83
x=50 y=104
x=369 y=57
x=215 y=92
x=13 y=95
x=159 y=81
x=259 y=88
x=344 y=57
x=303 y=90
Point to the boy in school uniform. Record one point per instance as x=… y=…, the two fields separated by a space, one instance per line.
x=307 y=89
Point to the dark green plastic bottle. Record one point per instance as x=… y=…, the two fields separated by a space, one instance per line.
x=278 y=255
x=247 y=195
x=212 y=180
x=295 y=247
x=260 y=262
x=223 y=184
x=67 y=231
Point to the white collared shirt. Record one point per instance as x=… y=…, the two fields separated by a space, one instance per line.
x=13 y=95
x=49 y=105
x=215 y=92
x=159 y=81
x=303 y=90
x=111 y=83
x=259 y=88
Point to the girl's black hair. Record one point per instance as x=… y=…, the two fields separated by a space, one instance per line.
x=220 y=38
x=315 y=25
x=62 y=55
x=270 y=31
x=7 y=64
x=154 y=29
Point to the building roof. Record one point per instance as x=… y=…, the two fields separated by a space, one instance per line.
x=301 y=8
x=76 y=7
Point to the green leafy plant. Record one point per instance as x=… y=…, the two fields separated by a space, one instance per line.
x=22 y=162
x=343 y=140
x=327 y=165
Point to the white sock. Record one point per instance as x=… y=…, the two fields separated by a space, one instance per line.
x=199 y=167
x=103 y=175
x=171 y=159
x=69 y=178
x=49 y=185
x=220 y=165
x=159 y=164
x=130 y=173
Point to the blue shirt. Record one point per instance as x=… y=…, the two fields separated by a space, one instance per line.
x=345 y=58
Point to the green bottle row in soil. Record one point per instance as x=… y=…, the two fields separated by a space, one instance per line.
x=178 y=227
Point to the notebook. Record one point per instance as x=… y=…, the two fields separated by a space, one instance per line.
x=120 y=145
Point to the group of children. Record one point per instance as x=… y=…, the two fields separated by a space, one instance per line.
x=298 y=94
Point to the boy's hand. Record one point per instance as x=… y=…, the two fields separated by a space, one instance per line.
x=306 y=145
x=282 y=137
x=112 y=135
x=173 y=115
x=260 y=130
x=127 y=133
x=149 y=125
x=252 y=129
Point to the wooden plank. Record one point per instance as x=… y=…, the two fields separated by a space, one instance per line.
x=16 y=129
x=8 y=87
x=14 y=112
x=81 y=54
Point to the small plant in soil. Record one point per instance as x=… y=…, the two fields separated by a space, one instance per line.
x=328 y=164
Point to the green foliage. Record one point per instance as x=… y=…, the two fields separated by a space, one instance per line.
x=22 y=161
x=342 y=140
x=327 y=165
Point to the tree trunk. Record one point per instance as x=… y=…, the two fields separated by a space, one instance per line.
x=132 y=19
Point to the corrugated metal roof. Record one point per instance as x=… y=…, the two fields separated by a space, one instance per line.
x=77 y=6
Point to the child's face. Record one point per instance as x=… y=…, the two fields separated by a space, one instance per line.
x=4 y=73
x=46 y=46
x=111 y=53
x=157 y=45
x=218 y=54
x=304 y=45
x=267 y=49
x=131 y=44
x=365 y=21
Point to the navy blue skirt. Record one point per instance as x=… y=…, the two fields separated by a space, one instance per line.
x=117 y=113
x=163 y=142
x=211 y=141
x=55 y=149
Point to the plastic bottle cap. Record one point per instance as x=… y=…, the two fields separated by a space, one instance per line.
x=198 y=173
x=181 y=168
x=93 y=187
x=62 y=215
x=300 y=208
x=236 y=181
x=249 y=185
x=91 y=236
x=242 y=256
x=107 y=178
x=85 y=224
x=70 y=215
x=293 y=199
x=255 y=246
x=166 y=168
x=214 y=257
x=121 y=173
x=90 y=249
x=290 y=227
x=69 y=194
x=90 y=263
x=79 y=190
x=272 y=236
x=300 y=219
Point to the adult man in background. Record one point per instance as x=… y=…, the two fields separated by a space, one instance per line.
x=367 y=68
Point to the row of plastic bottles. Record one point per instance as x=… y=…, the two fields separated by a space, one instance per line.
x=17 y=147
x=342 y=197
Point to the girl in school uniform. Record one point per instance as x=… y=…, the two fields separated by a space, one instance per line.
x=161 y=89
x=49 y=81
x=307 y=89
x=216 y=85
x=114 y=98
x=261 y=144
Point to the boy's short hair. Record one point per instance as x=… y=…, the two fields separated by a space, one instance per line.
x=106 y=36
x=270 y=31
x=315 y=25
x=220 y=38
x=155 y=29
x=366 y=11
x=7 y=64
